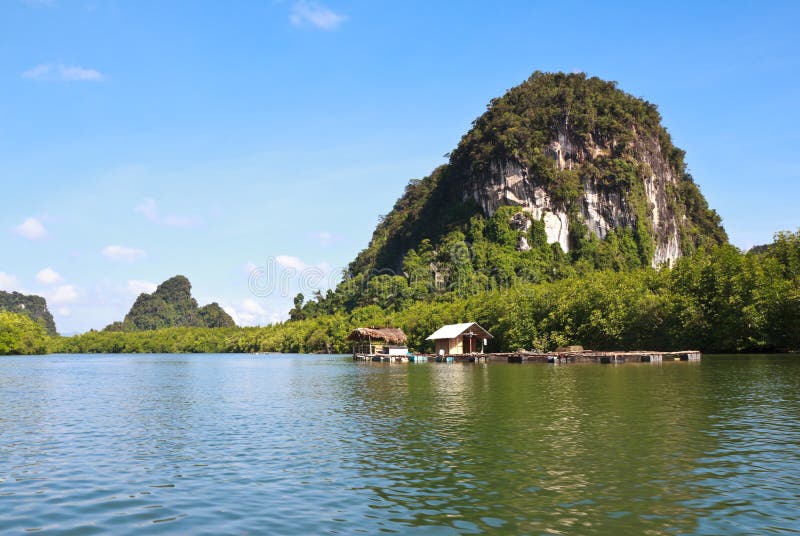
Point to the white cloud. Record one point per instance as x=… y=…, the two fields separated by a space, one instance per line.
x=64 y=73
x=48 y=276
x=249 y=312
x=64 y=311
x=123 y=254
x=8 y=282
x=252 y=306
x=288 y=261
x=249 y=267
x=234 y=314
x=138 y=286
x=149 y=209
x=286 y=275
x=71 y=74
x=180 y=221
x=32 y=229
x=40 y=72
x=63 y=294
x=309 y=13
x=325 y=238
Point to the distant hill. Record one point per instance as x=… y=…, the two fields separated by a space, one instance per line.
x=172 y=305
x=758 y=250
x=34 y=307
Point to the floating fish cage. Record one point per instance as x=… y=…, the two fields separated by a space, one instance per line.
x=555 y=358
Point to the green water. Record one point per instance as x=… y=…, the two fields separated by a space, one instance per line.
x=317 y=444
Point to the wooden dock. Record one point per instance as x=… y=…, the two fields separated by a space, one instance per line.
x=586 y=356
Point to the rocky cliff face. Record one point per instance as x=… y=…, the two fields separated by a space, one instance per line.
x=601 y=207
x=509 y=183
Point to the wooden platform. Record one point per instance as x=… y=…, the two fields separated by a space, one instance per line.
x=587 y=356
x=590 y=356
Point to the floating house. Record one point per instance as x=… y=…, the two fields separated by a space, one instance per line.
x=372 y=341
x=457 y=339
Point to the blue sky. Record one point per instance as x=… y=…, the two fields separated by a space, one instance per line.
x=143 y=139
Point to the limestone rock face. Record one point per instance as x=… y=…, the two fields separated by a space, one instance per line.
x=602 y=207
x=520 y=222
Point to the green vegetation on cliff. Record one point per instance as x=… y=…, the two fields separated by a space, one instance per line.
x=20 y=335
x=171 y=305
x=34 y=307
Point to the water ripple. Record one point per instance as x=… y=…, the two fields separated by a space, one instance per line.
x=318 y=444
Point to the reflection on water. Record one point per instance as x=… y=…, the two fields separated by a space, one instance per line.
x=312 y=444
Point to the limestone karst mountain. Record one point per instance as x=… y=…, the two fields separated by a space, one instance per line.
x=171 y=305
x=589 y=162
x=34 y=307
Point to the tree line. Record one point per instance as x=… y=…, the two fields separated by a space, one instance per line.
x=716 y=300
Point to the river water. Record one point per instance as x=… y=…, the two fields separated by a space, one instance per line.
x=281 y=444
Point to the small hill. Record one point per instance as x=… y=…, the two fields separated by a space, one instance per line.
x=172 y=305
x=34 y=307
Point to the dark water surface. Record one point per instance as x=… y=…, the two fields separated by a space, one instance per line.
x=239 y=444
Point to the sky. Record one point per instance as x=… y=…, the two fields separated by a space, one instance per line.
x=144 y=139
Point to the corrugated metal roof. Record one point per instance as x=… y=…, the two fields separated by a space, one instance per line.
x=453 y=330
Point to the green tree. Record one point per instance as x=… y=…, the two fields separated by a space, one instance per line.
x=297 y=313
x=19 y=335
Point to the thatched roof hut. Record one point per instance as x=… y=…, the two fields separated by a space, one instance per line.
x=389 y=335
